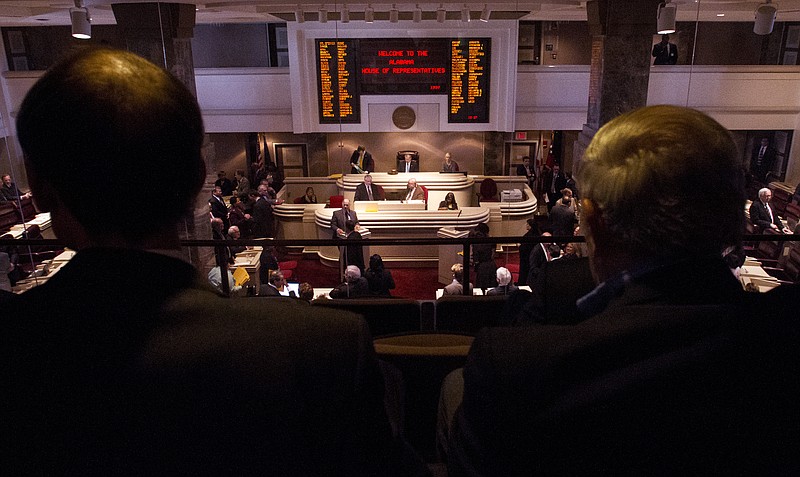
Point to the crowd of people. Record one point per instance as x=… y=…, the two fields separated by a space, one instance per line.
x=669 y=368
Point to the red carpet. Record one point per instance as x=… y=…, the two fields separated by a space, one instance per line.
x=416 y=283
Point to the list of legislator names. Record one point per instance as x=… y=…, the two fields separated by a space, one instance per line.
x=469 y=80
x=337 y=84
x=351 y=67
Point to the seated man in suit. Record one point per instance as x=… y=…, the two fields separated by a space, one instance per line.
x=126 y=362
x=456 y=287
x=276 y=285
x=408 y=164
x=413 y=192
x=369 y=191
x=9 y=191
x=674 y=371
x=762 y=215
x=354 y=285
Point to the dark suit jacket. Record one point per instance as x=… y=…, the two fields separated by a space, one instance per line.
x=377 y=192
x=369 y=164
x=536 y=260
x=521 y=171
x=665 y=54
x=767 y=161
x=401 y=166
x=562 y=219
x=339 y=221
x=759 y=215
x=127 y=363
x=357 y=289
x=219 y=210
x=262 y=218
x=558 y=286
x=9 y=193
x=679 y=375
x=547 y=182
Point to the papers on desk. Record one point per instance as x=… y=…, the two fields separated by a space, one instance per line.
x=762 y=285
x=65 y=256
x=755 y=271
x=241 y=276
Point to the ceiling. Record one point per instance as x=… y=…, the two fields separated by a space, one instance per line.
x=56 y=12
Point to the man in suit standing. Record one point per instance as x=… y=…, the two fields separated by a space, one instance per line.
x=408 y=164
x=763 y=160
x=554 y=182
x=674 y=368
x=218 y=208
x=262 y=214
x=344 y=225
x=525 y=169
x=665 y=53
x=361 y=161
x=369 y=191
x=127 y=362
x=344 y=221
x=762 y=215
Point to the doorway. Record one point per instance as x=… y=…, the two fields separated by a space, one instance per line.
x=292 y=159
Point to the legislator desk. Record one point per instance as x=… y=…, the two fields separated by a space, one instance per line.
x=403 y=223
x=394 y=185
x=250 y=260
x=387 y=205
x=395 y=219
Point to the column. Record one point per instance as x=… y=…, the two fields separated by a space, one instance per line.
x=162 y=33
x=622 y=37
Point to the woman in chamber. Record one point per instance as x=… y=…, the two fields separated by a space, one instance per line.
x=449 y=202
x=310 y=197
x=379 y=279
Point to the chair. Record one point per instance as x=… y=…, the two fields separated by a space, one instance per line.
x=468 y=314
x=384 y=316
x=769 y=250
x=488 y=191
x=335 y=201
x=790 y=272
x=780 y=198
x=424 y=191
x=424 y=359
x=287 y=268
x=792 y=214
x=298 y=200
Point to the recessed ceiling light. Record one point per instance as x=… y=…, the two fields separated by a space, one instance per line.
x=720 y=14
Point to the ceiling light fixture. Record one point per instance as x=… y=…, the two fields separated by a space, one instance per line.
x=441 y=14
x=485 y=13
x=394 y=14
x=417 y=14
x=765 y=18
x=369 y=14
x=465 y=14
x=665 y=17
x=81 y=21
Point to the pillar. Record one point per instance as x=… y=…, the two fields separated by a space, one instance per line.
x=622 y=37
x=162 y=33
